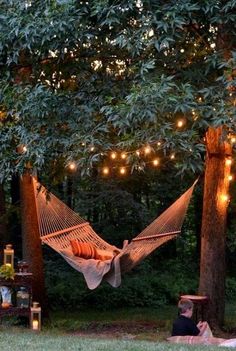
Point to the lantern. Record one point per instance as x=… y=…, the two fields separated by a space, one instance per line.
x=35 y=317
x=22 y=298
x=8 y=258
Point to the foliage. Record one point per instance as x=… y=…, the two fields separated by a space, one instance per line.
x=112 y=75
x=7 y=272
x=231 y=289
x=143 y=287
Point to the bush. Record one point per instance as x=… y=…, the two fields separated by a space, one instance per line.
x=142 y=287
x=231 y=289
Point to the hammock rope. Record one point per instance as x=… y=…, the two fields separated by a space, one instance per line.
x=58 y=225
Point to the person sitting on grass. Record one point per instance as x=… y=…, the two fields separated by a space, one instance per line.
x=184 y=325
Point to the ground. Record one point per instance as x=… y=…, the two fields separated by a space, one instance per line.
x=136 y=331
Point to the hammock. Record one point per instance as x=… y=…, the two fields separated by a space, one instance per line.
x=59 y=225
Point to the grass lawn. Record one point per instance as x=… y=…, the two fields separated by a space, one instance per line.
x=126 y=329
x=25 y=340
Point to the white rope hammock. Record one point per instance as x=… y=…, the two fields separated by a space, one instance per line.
x=58 y=225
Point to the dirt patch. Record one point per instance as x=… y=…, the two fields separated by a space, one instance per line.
x=134 y=330
x=124 y=330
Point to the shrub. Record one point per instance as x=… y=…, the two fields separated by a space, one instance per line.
x=142 y=287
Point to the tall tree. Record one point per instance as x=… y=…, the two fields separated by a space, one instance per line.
x=32 y=251
x=3 y=227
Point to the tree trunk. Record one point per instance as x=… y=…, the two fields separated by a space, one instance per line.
x=213 y=232
x=14 y=223
x=3 y=228
x=32 y=248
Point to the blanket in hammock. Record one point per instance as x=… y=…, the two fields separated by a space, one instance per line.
x=95 y=270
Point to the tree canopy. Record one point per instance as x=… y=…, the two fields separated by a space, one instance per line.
x=79 y=79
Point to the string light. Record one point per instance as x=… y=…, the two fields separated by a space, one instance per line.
x=105 y=170
x=228 y=161
x=158 y=143
x=72 y=166
x=92 y=148
x=113 y=155
x=122 y=170
x=233 y=140
x=180 y=123
x=147 y=150
x=172 y=156
x=137 y=153
x=21 y=149
x=123 y=155
x=156 y=162
x=230 y=177
x=224 y=197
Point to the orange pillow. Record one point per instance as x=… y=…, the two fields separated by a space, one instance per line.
x=88 y=250
x=85 y=250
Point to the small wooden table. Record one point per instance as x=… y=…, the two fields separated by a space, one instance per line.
x=200 y=303
x=20 y=280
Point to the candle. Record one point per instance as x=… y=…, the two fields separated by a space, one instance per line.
x=35 y=325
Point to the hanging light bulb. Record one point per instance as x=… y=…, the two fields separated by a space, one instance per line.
x=228 y=161
x=156 y=162
x=21 y=149
x=147 y=150
x=122 y=170
x=113 y=155
x=105 y=170
x=224 y=197
x=233 y=139
x=123 y=155
x=180 y=123
x=172 y=156
x=72 y=166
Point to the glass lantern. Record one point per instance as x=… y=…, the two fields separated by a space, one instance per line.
x=35 y=317
x=22 y=298
x=8 y=257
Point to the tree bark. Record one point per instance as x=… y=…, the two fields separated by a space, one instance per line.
x=3 y=227
x=14 y=223
x=213 y=232
x=32 y=248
